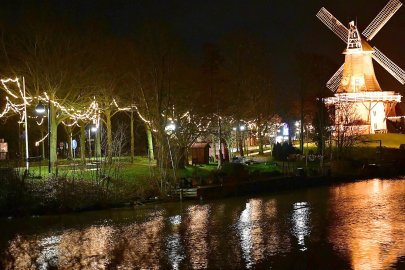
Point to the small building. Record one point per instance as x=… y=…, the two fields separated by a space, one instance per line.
x=215 y=152
x=3 y=149
x=200 y=153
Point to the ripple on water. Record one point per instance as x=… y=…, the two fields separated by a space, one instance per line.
x=358 y=225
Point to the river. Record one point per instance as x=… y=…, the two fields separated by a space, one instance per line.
x=359 y=225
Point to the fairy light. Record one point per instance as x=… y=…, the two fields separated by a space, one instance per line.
x=4 y=83
x=40 y=123
x=41 y=140
x=91 y=113
x=75 y=123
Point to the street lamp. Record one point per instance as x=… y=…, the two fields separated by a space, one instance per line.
x=40 y=109
x=243 y=128
x=92 y=128
x=170 y=128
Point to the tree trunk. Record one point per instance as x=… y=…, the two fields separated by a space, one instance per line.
x=214 y=147
x=261 y=142
x=43 y=144
x=98 y=143
x=82 y=143
x=107 y=114
x=53 y=136
x=70 y=145
x=132 y=137
x=302 y=126
x=150 y=143
x=69 y=152
x=220 y=157
x=260 y=135
x=240 y=141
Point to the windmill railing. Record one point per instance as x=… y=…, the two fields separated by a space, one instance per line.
x=363 y=97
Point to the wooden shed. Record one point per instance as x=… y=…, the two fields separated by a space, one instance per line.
x=200 y=153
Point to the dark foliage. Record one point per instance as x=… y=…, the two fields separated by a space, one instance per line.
x=282 y=151
x=22 y=196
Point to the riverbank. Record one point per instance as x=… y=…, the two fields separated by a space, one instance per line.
x=58 y=195
x=21 y=196
x=317 y=227
x=266 y=184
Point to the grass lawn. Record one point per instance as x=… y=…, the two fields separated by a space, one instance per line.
x=389 y=140
x=197 y=171
x=125 y=170
x=142 y=168
x=263 y=168
x=122 y=169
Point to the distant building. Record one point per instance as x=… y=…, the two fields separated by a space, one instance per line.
x=359 y=101
x=200 y=153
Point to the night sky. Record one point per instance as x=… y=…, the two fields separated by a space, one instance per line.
x=287 y=26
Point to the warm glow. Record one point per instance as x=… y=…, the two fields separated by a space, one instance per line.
x=363 y=96
x=372 y=237
x=197 y=234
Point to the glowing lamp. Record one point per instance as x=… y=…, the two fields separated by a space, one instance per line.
x=170 y=127
x=40 y=108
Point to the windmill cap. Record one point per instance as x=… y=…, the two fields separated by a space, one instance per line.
x=365 y=46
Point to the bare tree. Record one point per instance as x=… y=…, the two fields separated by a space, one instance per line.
x=55 y=63
x=158 y=77
x=347 y=127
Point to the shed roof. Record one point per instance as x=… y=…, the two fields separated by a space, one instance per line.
x=200 y=145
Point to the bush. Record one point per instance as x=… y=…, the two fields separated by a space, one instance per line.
x=282 y=151
x=20 y=196
x=230 y=173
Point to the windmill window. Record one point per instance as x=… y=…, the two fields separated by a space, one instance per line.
x=375 y=125
x=374 y=112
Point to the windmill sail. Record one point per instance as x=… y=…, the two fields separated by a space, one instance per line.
x=381 y=19
x=334 y=81
x=354 y=84
x=390 y=66
x=333 y=24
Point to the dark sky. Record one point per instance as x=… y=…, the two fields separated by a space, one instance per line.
x=288 y=26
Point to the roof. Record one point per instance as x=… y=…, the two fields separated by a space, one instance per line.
x=200 y=145
x=365 y=47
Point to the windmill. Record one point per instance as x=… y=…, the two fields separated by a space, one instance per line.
x=355 y=82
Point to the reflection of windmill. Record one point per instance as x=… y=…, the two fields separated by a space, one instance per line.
x=355 y=82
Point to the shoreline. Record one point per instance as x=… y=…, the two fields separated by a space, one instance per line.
x=278 y=184
x=215 y=192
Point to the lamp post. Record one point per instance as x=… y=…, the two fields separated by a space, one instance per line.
x=235 y=144
x=170 y=128
x=242 y=128
x=40 y=109
x=94 y=129
x=27 y=155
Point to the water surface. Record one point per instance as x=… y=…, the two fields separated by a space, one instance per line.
x=357 y=225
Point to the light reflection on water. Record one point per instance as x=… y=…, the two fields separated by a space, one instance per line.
x=301 y=222
x=358 y=225
x=174 y=247
x=370 y=228
x=197 y=233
